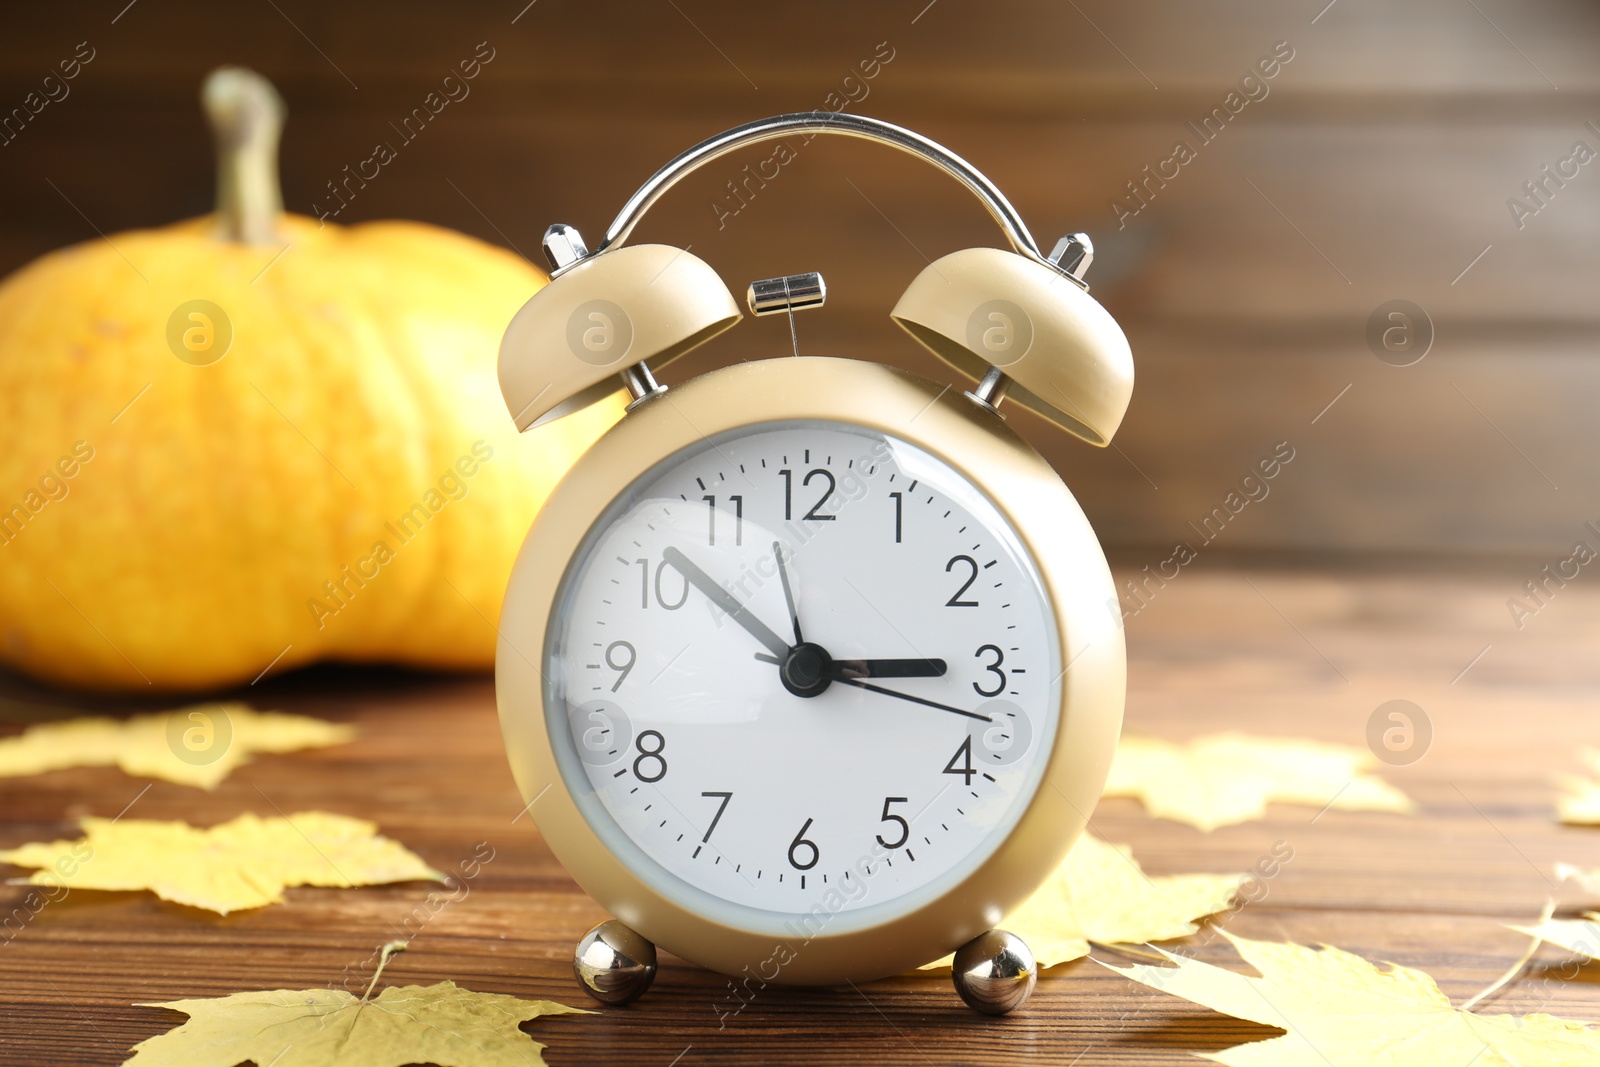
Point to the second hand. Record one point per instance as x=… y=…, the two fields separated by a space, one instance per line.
x=915 y=700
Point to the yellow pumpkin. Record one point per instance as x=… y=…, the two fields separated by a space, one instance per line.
x=251 y=441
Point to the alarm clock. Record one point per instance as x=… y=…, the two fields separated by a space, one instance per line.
x=811 y=669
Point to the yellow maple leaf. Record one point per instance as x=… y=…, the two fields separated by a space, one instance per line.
x=440 y=1024
x=246 y=863
x=1223 y=779
x=1575 y=935
x=1581 y=804
x=198 y=745
x=1341 y=1011
x=1099 y=893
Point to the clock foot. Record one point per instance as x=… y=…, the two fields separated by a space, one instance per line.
x=615 y=965
x=994 y=973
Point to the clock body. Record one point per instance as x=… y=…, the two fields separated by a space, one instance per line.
x=810 y=669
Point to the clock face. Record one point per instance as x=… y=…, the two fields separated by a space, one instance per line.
x=802 y=673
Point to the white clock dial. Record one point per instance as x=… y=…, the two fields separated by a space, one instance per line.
x=836 y=774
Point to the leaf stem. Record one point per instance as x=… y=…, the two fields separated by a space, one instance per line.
x=383 y=961
x=1516 y=968
x=1134 y=950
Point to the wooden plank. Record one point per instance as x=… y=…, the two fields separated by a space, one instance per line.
x=1483 y=447
x=1010 y=48
x=1278 y=651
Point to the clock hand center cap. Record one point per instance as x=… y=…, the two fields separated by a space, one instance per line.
x=806 y=670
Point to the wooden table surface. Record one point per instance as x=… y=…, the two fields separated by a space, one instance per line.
x=1280 y=651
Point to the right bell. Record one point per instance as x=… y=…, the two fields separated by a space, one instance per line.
x=1064 y=355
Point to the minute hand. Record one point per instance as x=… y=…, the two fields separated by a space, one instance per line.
x=726 y=601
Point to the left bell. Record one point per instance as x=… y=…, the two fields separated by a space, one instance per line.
x=601 y=315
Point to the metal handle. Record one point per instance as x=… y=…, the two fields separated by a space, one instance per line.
x=860 y=126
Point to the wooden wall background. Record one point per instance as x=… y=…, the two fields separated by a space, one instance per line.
x=1377 y=168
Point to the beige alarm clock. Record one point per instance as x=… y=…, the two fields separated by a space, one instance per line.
x=810 y=670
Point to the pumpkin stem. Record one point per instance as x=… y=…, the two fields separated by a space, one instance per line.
x=246 y=117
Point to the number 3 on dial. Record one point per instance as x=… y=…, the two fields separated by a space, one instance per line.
x=992 y=668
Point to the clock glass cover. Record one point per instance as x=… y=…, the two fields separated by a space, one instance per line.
x=802 y=670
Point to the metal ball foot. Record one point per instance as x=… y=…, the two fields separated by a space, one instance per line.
x=615 y=965
x=994 y=973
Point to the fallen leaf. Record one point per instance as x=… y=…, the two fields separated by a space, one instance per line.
x=246 y=863
x=1575 y=935
x=1099 y=893
x=198 y=745
x=440 y=1024
x=1341 y=1011
x=1588 y=878
x=1581 y=805
x=1223 y=779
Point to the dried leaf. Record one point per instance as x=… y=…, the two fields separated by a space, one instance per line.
x=1588 y=878
x=1575 y=935
x=441 y=1024
x=1223 y=779
x=1581 y=805
x=246 y=863
x=198 y=745
x=1100 y=894
x=1341 y=1011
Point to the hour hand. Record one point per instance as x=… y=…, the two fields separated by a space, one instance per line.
x=726 y=601
x=847 y=669
x=854 y=670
